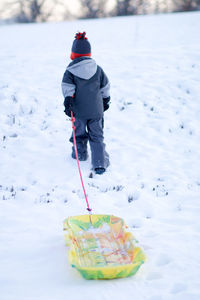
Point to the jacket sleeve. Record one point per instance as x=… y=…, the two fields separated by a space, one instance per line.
x=105 y=85
x=68 y=86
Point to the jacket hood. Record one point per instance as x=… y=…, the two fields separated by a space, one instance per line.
x=84 y=69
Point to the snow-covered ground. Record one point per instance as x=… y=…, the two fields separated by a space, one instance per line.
x=152 y=132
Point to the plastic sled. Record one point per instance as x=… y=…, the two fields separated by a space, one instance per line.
x=101 y=248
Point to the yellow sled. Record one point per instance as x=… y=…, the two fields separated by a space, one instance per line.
x=101 y=248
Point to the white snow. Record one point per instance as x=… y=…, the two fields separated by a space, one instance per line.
x=152 y=133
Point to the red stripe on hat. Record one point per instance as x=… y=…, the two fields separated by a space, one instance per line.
x=76 y=55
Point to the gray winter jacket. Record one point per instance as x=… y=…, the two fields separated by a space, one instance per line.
x=88 y=84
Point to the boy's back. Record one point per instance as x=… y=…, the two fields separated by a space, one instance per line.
x=90 y=84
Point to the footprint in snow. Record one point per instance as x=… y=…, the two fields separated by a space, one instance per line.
x=163 y=260
x=178 y=288
x=154 y=276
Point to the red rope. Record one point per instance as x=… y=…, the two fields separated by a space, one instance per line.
x=76 y=152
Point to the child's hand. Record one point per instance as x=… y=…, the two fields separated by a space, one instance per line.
x=68 y=103
x=106 y=103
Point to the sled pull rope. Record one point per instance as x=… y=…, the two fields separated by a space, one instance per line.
x=79 y=169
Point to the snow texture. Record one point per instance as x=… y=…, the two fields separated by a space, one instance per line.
x=152 y=133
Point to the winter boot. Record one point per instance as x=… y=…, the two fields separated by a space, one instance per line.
x=99 y=171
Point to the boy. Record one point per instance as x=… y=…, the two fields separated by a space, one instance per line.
x=86 y=90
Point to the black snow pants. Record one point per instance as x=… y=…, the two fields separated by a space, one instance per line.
x=92 y=131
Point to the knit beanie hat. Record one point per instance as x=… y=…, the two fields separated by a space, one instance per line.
x=80 y=46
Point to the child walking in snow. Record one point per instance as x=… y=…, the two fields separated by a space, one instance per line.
x=86 y=90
